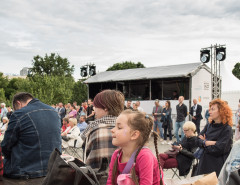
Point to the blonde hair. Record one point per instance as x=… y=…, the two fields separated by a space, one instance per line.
x=5 y=118
x=189 y=125
x=73 y=120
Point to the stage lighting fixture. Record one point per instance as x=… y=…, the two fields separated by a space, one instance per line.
x=92 y=70
x=205 y=56
x=83 y=70
x=221 y=53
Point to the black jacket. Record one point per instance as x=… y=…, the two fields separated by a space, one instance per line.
x=198 y=112
x=185 y=156
x=214 y=156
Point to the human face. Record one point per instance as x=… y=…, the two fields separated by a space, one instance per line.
x=99 y=113
x=180 y=99
x=166 y=104
x=194 y=101
x=188 y=132
x=214 y=113
x=121 y=133
x=81 y=119
x=64 y=123
x=129 y=104
x=71 y=124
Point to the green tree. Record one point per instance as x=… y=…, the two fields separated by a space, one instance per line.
x=2 y=95
x=79 y=92
x=48 y=89
x=3 y=81
x=53 y=65
x=125 y=65
x=236 y=70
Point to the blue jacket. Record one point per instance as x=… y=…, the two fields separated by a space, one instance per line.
x=32 y=134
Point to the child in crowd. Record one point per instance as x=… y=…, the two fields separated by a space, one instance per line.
x=131 y=133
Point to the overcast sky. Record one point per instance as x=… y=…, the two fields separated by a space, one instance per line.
x=105 y=32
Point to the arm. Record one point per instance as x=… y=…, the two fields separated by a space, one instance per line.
x=74 y=133
x=145 y=164
x=185 y=111
x=11 y=136
x=222 y=143
x=191 y=111
x=198 y=113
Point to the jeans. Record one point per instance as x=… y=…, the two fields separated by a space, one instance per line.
x=177 y=126
x=167 y=129
x=159 y=125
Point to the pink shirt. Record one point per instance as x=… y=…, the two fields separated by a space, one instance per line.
x=146 y=167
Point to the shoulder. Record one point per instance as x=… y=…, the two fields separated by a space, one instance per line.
x=145 y=155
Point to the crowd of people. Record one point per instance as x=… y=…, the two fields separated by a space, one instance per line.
x=108 y=130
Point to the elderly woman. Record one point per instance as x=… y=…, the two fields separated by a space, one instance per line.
x=98 y=138
x=68 y=138
x=3 y=126
x=216 y=138
x=184 y=156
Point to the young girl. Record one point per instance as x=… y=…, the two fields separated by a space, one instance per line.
x=131 y=133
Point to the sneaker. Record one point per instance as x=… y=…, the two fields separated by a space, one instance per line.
x=164 y=142
x=170 y=142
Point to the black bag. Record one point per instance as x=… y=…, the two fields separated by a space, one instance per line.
x=72 y=173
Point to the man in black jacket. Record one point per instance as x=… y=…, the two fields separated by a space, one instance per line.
x=196 y=113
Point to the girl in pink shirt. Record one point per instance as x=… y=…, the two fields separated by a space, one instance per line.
x=130 y=134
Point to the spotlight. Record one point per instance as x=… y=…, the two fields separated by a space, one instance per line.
x=221 y=53
x=92 y=70
x=205 y=56
x=83 y=70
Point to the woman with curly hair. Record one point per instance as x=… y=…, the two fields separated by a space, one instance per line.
x=215 y=138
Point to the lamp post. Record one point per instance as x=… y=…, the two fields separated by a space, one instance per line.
x=215 y=54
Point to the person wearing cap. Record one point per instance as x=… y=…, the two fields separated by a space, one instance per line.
x=157 y=111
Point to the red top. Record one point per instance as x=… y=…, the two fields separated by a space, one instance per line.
x=146 y=167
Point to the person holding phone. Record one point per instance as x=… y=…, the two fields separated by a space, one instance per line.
x=185 y=149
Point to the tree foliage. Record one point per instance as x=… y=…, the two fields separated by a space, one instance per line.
x=125 y=65
x=79 y=93
x=236 y=70
x=48 y=89
x=52 y=65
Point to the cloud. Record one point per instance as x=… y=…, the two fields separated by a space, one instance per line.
x=106 y=32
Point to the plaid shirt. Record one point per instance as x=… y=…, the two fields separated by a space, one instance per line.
x=98 y=143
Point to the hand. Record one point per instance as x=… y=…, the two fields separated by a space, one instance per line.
x=64 y=134
x=193 y=118
x=155 y=114
x=209 y=143
x=202 y=137
x=164 y=114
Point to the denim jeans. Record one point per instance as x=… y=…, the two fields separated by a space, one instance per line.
x=179 y=125
x=159 y=125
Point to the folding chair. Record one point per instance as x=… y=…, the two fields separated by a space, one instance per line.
x=169 y=164
x=76 y=152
